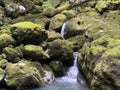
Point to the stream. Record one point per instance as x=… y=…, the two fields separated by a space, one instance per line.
x=70 y=81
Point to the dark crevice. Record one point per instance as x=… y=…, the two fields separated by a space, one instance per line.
x=47 y=26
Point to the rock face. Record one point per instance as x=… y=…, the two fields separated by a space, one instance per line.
x=99 y=56
x=58 y=68
x=28 y=33
x=26 y=74
x=61 y=50
x=30 y=40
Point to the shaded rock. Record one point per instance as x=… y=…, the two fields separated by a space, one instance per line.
x=57 y=22
x=2 y=75
x=13 y=54
x=6 y=40
x=57 y=67
x=61 y=50
x=14 y=10
x=1 y=16
x=78 y=41
x=26 y=74
x=3 y=63
x=29 y=33
x=35 y=52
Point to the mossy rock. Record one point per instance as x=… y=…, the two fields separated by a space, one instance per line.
x=6 y=40
x=61 y=50
x=52 y=35
x=29 y=33
x=3 y=63
x=57 y=67
x=57 y=22
x=102 y=5
x=13 y=54
x=73 y=27
x=35 y=53
x=26 y=74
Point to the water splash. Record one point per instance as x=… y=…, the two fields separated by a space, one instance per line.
x=72 y=73
x=63 y=29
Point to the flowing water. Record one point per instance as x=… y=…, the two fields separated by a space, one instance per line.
x=69 y=81
x=73 y=80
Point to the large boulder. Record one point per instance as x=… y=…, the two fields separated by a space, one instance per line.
x=61 y=50
x=35 y=52
x=26 y=74
x=73 y=27
x=57 y=22
x=29 y=33
x=58 y=68
x=98 y=60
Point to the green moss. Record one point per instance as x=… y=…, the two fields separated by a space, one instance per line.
x=100 y=5
x=97 y=49
x=27 y=25
x=112 y=52
x=66 y=44
x=32 y=48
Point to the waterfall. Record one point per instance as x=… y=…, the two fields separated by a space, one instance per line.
x=63 y=29
x=71 y=75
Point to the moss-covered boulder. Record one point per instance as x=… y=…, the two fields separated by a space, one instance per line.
x=35 y=53
x=73 y=27
x=26 y=74
x=57 y=67
x=61 y=50
x=57 y=22
x=52 y=35
x=98 y=60
x=6 y=40
x=13 y=54
x=29 y=33
x=103 y=5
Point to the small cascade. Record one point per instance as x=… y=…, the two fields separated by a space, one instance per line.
x=72 y=73
x=63 y=29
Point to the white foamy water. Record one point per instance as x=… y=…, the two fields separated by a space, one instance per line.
x=71 y=75
x=63 y=29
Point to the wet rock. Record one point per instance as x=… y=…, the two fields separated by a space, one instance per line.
x=29 y=33
x=57 y=67
x=26 y=74
x=6 y=40
x=35 y=52
x=61 y=50
x=57 y=22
